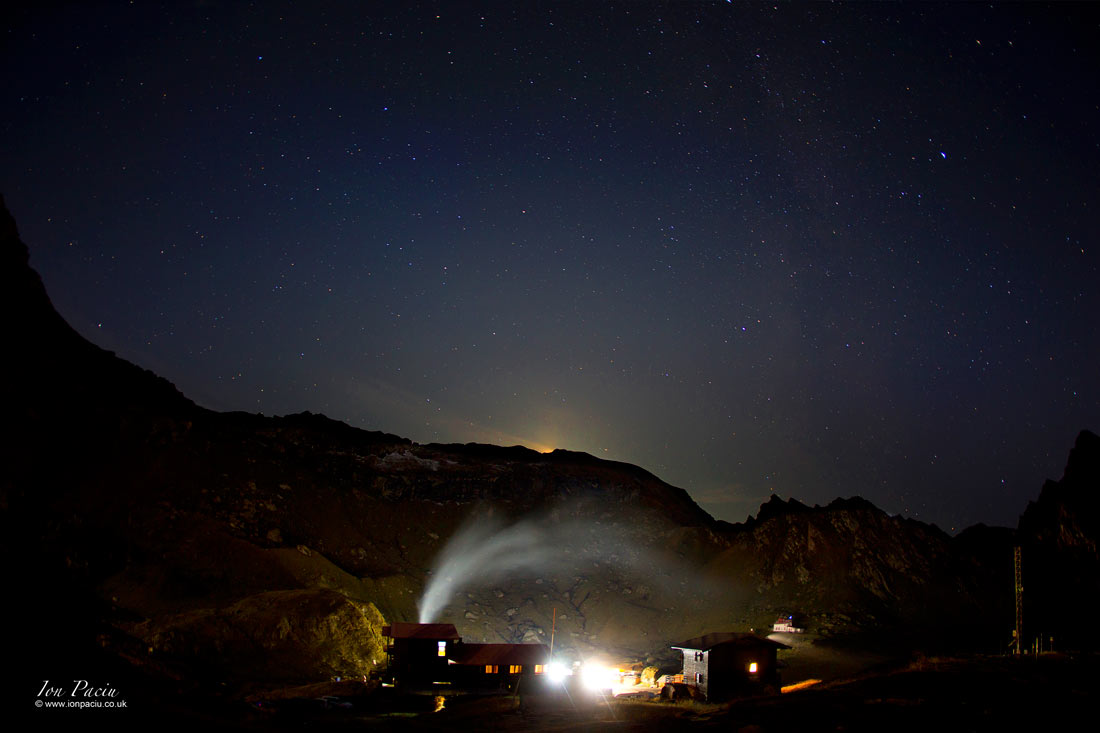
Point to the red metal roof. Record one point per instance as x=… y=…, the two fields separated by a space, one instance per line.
x=446 y=632
x=483 y=654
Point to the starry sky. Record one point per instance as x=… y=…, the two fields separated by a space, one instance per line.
x=810 y=250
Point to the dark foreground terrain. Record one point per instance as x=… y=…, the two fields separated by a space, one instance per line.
x=977 y=693
x=980 y=693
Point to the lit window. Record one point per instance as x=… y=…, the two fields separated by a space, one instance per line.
x=515 y=668
x=752 y=667
x=442 y=649
x=491 y=669
x=538 y=669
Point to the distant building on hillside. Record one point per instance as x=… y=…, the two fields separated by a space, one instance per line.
x=785 y=625
x=418 y=652
x=725 y=664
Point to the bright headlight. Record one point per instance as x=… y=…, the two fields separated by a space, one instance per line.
x=556 y=672
x=598 y=677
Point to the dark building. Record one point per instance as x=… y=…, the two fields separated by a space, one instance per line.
x=423 y=654
x=726 y=664
x=498 y=666
x=418 y=652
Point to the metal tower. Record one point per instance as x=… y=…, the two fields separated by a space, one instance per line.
x=1018 y=642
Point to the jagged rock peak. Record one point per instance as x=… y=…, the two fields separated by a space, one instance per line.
x=1068 y=511
x=1080 y=480
x=776 y=507
x=1083 y=466
x=853 y=503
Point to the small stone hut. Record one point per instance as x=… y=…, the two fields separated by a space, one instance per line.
x=727 y=664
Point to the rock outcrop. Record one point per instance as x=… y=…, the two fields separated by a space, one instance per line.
x=288 y=635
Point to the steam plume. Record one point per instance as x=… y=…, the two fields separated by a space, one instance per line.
x=484 y=551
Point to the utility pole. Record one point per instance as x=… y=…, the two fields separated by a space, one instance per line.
x=1018 y=642
x=553 y=627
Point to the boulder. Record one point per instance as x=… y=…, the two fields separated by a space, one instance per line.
x=292 y=635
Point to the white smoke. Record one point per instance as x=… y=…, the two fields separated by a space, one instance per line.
x=485 y=551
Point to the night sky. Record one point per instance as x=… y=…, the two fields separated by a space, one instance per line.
x=815 y=250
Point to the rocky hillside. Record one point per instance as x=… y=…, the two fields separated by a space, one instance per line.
x=850 y=568
x=1058 y=536
x=242 y=548
x=188 y=537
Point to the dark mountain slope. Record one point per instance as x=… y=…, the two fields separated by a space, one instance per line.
x=1059 y=535
x=849 y=568
x=155 y=518
x=222 y=546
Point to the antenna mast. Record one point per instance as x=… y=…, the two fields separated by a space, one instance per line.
x=1018 y=642
x=553 y=626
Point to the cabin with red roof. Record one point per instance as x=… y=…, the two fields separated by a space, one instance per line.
x=423 y=655
x=418 y=652
x=498 y=666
